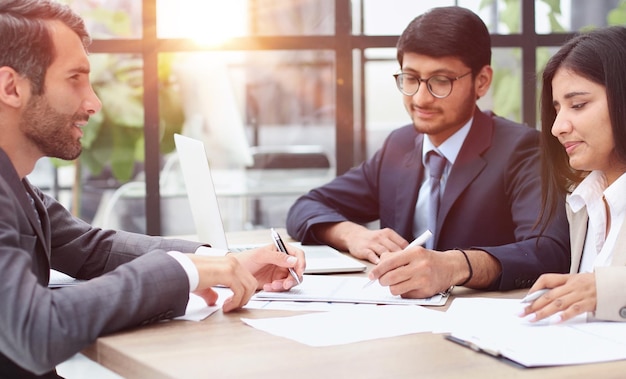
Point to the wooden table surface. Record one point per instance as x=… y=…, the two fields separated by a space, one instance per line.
x=222 y=346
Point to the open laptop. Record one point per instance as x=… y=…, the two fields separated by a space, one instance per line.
x=208 y=220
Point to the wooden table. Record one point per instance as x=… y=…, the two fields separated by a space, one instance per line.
x=222 y=346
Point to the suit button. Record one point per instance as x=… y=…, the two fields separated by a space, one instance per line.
x=517 y=283
x=622 y=312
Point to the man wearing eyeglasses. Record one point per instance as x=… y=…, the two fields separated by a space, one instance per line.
x=470 y=177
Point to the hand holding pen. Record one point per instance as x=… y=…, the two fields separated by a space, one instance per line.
x=280 y=245
x=531 y=297
x=416 y=242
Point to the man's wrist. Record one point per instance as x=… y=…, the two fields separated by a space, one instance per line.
x=469 y=268
x=189 y=267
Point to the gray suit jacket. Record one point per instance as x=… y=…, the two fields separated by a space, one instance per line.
x=133 y=280
x=610 y=280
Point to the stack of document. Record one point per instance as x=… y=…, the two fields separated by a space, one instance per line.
x=492 y=326
x=344 y=289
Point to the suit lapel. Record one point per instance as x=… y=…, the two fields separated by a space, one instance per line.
x=411 y=173
x=469 y=163
x=21 y=190
x=619 y=254
x=577 y=233
x=38 y=217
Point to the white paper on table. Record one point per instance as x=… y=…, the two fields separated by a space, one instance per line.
x=347 y=289
x=197 y=309
x=494 y=327
x=351 y=324
x=301 y=305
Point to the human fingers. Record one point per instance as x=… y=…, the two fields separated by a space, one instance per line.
x=387 y=239
x=545 y=306
x=365 y=252
x=373 y=257
x=226 y=271
x=576 y=309
x=270 y=266
x=208 y=294
x=386 y=269
x=562 y=301
x=241 y=295
x=258 y=258
x=549 y=281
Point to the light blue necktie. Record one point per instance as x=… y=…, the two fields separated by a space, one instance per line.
x=436 y=164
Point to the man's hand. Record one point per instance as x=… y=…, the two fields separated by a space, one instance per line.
x=416 y=272
x=271 y=267
x=420 y=273
x=246 y=272
x=360 y=241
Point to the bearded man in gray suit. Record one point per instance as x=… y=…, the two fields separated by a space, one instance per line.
x=45 y=101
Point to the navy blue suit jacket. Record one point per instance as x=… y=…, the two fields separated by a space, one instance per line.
x=491 y=200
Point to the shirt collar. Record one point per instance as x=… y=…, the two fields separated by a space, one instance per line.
x=449 y=148
x=588 y=191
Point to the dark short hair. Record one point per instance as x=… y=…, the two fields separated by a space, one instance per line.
x=448 y=31
x=598 y=56
x=25 y=40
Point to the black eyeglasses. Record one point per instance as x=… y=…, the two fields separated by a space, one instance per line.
x=439 y=86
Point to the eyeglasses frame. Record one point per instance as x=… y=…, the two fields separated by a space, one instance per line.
x=421 y=80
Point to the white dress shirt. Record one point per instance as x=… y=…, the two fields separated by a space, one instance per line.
x=190 y=268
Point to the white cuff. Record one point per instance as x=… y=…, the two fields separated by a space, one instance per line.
x=211 y=251
x=189 y=267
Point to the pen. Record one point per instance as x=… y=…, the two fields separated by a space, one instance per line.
x=535 y=295
x=416 y=242
x=280 y=245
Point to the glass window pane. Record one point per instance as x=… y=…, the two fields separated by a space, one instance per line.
x=113 y=141
x=384 y=110
x=272 y=106
x=574 y=15
x=505 y=95
x=385 y=18
x=214 y=22
x=543 y=55
x=110 y=19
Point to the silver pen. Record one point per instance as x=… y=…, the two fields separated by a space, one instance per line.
x=416 y=242
x=535 y=295
x=280 y=245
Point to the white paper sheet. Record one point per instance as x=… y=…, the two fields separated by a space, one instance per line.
x=351 y=324
x=197 y=309
x=493 y=326
x=347 y=289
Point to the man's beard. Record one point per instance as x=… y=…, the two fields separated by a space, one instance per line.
x=50 y=131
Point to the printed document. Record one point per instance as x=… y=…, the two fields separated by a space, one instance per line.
x=492 y=326
x=344 y=289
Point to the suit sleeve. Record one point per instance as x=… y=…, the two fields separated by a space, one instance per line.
x=133 y=282
x=352 y=196
x=611 y=296
x=532 y=254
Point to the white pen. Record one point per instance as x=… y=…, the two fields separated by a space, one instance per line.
x=280 y=245
x=416 y=242
x=535 y=295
